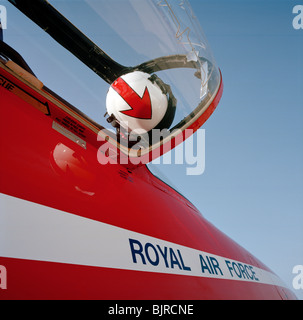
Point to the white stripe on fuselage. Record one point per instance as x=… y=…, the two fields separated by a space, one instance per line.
x=35 y=232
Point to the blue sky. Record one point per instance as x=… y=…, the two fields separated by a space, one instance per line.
x=252 y=186
x=253 y=183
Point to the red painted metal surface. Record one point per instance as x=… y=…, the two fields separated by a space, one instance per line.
x=36 y=280
x=40 y=165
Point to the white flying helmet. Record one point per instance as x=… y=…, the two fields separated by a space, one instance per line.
x=140 y=102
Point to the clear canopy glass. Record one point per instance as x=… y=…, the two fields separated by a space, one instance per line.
x=161 y=38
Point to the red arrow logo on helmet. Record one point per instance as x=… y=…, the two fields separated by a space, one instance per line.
x=141 y=107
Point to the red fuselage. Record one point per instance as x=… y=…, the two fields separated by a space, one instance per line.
x=72 y=228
